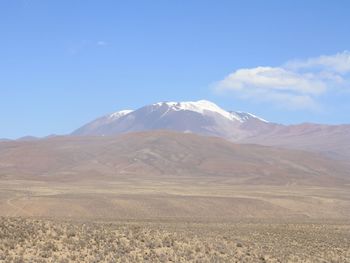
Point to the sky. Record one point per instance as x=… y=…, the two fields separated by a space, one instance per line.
x=64 y=63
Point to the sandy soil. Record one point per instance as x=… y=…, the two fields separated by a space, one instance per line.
x=185 y=198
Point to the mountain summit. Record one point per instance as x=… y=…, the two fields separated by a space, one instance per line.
x=206 y=118
x=201 y=117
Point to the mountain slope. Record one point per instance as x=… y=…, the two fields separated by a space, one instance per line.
x=165 y=154
x=330 y=140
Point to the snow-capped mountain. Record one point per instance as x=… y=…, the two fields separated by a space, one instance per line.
x=206 y=118
x=202 y=117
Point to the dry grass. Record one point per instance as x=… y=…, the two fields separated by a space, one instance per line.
x=31 y=240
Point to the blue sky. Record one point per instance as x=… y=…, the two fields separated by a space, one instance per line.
x=63 y=63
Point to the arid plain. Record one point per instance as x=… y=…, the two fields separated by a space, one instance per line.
x=165 y=196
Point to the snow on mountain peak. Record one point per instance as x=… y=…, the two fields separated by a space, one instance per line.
x=201 y=106
x=118 y=114
x=211 y=119
x=245 y=116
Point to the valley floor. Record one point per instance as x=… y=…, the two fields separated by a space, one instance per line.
x=172 y=220
x=180 y=198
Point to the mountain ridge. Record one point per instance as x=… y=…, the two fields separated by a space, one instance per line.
x=202 y=117
x=165 y=153
x=206 y=118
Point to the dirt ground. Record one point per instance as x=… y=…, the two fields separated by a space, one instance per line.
x=162 y=198
x=172 y=220
x=33 y=240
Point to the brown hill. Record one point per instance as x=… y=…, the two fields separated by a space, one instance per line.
x=329 y=140
x=164 y=154
x=167 y=175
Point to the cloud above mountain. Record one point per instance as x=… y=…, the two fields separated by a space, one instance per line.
x=339 y=63
x=295 y=85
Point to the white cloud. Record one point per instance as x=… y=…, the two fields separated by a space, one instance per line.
x=278 y=79
x=339 y=63
x=297 y=84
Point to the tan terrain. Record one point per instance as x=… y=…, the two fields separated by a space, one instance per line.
x=29 y=240
x=278 y=204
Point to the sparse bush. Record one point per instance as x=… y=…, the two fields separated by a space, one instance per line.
x=66 y=242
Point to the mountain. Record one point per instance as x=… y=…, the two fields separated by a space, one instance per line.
x=200 y=117
x=206 y=118
x=99 y=125
x=164 y=154
x=28 y=138
x=330 y=140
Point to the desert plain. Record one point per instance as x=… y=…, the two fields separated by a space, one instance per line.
x=119 y=201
